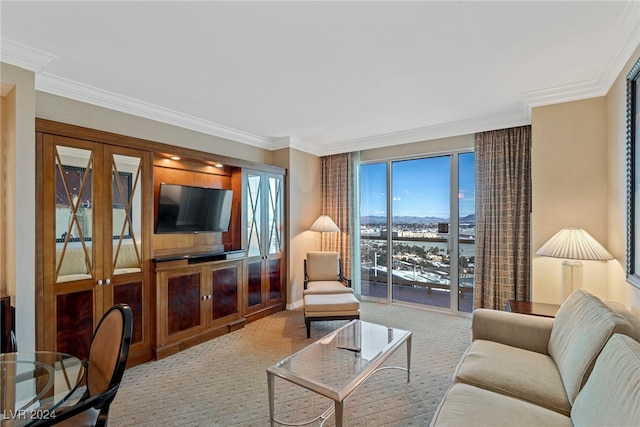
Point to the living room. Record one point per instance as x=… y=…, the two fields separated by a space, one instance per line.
x=578 y=173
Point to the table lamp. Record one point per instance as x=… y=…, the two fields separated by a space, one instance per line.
x=324 y=224
x=573 y=244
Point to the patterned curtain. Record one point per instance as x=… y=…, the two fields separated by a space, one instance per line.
x=338 y=172
x=503 y=207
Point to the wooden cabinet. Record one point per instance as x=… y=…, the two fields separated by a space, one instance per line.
x=196 y=302
x=96 y=247
x=263 y=200
x=94 y=242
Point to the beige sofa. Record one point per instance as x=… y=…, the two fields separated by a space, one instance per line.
x=581 y=368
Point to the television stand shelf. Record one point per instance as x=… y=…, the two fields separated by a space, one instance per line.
x=200 y=257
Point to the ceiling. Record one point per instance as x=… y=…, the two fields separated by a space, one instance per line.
x=324 y=77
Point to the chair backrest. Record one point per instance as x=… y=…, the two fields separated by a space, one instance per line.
x=109 y=350
x=323 y=266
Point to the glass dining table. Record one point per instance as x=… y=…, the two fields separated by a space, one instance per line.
x=34 y=384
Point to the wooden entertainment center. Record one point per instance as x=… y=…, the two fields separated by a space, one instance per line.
x=97 y=195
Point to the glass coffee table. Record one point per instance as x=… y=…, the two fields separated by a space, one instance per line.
x=337 y=364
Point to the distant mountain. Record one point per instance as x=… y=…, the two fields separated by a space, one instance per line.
x=377 y=220
x=468 y=218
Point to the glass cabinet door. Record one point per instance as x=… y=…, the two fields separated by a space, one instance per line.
x=254 y=218
x=73 y=213
x=93 y=239
x=253 y=189
x=72 y=269
x=275 y=212
x=123 y=235
x=126 y=215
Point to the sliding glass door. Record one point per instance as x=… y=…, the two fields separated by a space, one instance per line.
x=418 y=231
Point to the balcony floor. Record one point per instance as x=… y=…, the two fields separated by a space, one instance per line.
x=436 y=298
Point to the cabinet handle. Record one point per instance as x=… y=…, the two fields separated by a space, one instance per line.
x=107 y=282
x=204 y=297
x=100 y=282
x=209 y=296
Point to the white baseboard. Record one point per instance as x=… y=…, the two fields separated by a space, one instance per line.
x=295 y=305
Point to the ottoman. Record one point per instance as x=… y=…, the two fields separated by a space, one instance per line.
x=317 y=307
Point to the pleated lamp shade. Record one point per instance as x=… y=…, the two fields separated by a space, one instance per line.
x=574 y=243
x=325 y=224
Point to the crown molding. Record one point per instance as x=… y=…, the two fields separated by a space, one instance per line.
x=625 y=41
x=445 y=130
x=84 y=93
x=297 y=143
x=23 y=56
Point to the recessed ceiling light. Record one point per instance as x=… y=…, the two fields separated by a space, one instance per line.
x=175 y=158
x=219 y=165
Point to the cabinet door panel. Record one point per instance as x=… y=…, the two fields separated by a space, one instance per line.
x=224 y=295
x=254 y=279
x=132 y=294
x=74 y=323
x=275 y=279
x=183 y=303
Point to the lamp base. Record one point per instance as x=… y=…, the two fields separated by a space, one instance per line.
x=571 y=278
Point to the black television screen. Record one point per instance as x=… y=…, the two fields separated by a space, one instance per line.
x=186 y=209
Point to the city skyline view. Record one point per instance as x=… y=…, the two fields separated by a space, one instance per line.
x=420 y=187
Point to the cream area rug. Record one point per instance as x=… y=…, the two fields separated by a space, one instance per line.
x=223 y=382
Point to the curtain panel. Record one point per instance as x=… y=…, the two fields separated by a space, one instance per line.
x=503 y=207
x=338 y=176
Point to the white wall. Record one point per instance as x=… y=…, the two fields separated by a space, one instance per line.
x=21 y=199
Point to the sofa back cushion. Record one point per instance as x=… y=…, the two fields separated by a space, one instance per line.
x=323 y=266
x=633 y=320
x=582 y=327
x=611 y=396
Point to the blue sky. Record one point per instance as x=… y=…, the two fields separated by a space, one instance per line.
x=420 y=187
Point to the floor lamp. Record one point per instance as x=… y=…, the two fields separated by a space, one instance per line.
x=573 y=245
x=324 y=224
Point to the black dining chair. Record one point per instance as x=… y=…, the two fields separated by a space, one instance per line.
x=104 y=369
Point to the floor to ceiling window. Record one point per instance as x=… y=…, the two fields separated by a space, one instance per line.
x=417 y=237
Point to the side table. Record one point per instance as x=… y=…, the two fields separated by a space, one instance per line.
x=532 y=308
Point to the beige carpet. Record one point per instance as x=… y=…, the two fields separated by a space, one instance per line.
x=223 y=382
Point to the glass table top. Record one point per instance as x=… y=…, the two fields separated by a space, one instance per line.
x=339 y=362
x=35 y=383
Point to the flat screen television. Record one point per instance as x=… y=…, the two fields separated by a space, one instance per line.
x=187 y=209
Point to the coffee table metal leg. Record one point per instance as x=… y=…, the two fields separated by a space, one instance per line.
x=339 y=406
x=271 y=388
x=409 y=358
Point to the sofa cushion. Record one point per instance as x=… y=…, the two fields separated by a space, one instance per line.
x=514 y=372
x=611 y=396
x=582 y=327
x=633 y=320
x=465 y=405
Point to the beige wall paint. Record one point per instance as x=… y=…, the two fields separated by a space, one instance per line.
x=303 y=206
x=21 y=200
x=66 y=110
x=569 y=188
x=619 y=289
x=8 y=194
